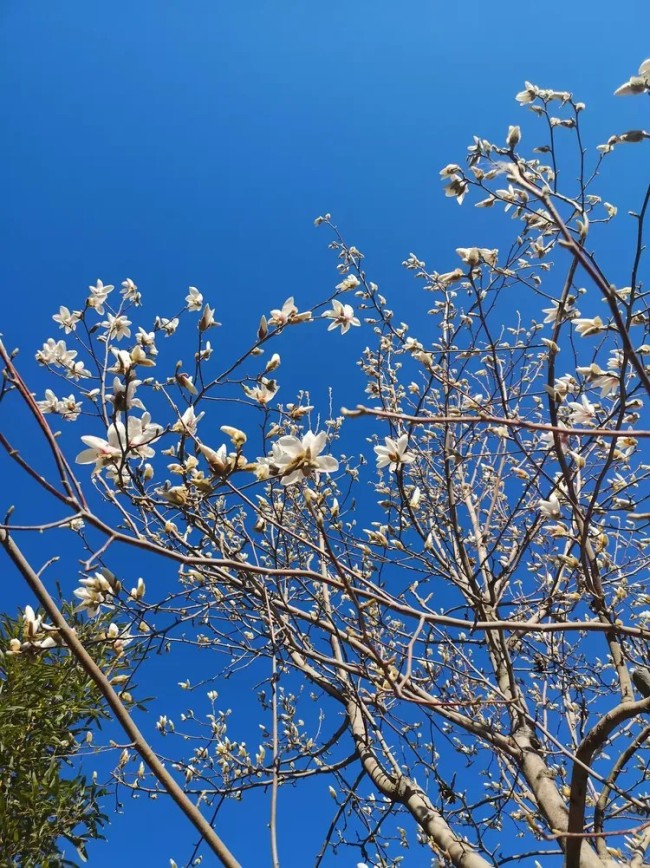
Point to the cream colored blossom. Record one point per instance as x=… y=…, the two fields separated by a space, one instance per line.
x=549 y=508
x=117 y=327
x=586 y=327
x=95 y=592
x=351 y=281
x=98 y=295
x=287 y=314
x=168 y=326
x=636 y=83
x=194 y=299
x=296 y=459
x=342 y=315
x=130 y=291
x=132 y=440
x=188 y=422
x=67 y=319
x=263 y=392
x=218 y=459
x=393 y=453
x=582 y=412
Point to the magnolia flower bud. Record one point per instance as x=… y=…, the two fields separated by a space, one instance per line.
x=237 y=437
x=185 y=380
x=272 y=364
x=514 y=137
x=263 y=328
x=138 y=592
x=207 y=319
x=634 y=136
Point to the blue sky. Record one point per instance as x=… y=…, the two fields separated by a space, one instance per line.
x=195 y=142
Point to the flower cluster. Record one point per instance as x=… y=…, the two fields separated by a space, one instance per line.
x=37 y=635
x=69 y=408
x=122 y=442
x=96 y=592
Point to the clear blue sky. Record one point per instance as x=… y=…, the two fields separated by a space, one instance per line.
x=194 y=142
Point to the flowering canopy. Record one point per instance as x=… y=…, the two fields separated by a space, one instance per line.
x=494 y=612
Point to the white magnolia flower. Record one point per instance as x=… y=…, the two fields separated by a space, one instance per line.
x=547 y=439
x=123 y=361
x=351 y=281
x=514 y=136
x=237 y=436
x=98 y=295
x=528 y=95
x=48 y=354
x=168 y=326
x=76 y=370
x=556 y=313
x=607 y=383
x=288 y=314
x=67 y=319
x=130 y=291
x=296 y=459
x=586 y=327
x=636 y=83
x=280 y=317
x=101 y=452
x=185 y=382
x=341 y=315
x=134 y=438
x=475 y=255
x=204 y=354
x=549 y=508
x=582 y=412
x=123 y=397
x=69 y=408
x=207 y=320
x=263 y=468
x=450 y=170
x=96 y=591
x=31 y=622
x=411 y=345
x=50 y=404
x=142 y=432
x=394 y=453
x=147 y=340
x=55 y=353
x=188 y=422
x=194 y=299
x=457 y=187
x=272 y=364
x=35 y=633
x=117 y=326
x=218 y=459
x=263 y=392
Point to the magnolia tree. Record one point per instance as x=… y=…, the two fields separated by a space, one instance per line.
x=441 y=594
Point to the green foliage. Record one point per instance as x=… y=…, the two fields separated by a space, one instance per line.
x=47 y=704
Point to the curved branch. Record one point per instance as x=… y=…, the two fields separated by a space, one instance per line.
x=592 y=742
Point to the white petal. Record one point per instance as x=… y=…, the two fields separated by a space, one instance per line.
x=327 y=464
